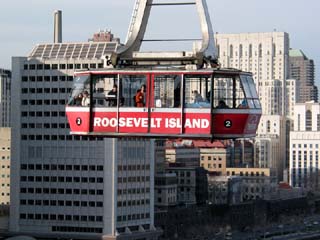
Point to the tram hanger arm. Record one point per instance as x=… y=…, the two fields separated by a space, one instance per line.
x=170 y=4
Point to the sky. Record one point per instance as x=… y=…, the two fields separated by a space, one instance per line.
x=26 y=23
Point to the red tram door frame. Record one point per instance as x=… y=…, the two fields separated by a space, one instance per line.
x=197 y=121
x=164 y=121
x=137 y=119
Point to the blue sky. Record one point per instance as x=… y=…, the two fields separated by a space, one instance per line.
x=26 y=23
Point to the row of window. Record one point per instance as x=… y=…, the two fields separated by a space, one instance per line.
x=133 y=191
x=62 y=78
x=60 y=191
x=44 y=113
x=210 y=158
x=43 y=102
x=61 y=167
x=44 y=125
x=61 y=217
x=137 y=202
x=257 y=51
x=68 y=203
x=305 y=155
x=60 y=137
x=61 y=179
x=62 y=66
x=252 y=174
x=305 y=170
x=133 y=167
x=211 y=165
x=305 y=145
x=134 y=179
x=4 y=148
x=76 y=229
x=133 y=217
x=45 y=90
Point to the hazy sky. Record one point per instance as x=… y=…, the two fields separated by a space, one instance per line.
x=26 y=23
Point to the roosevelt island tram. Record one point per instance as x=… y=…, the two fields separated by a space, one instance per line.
x=164 y=94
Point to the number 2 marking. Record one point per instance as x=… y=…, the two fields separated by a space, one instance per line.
x=228 y=123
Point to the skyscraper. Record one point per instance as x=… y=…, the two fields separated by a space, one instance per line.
x=5 y=97
x=266 y=55
x=302 y=69
x=304 y=146
x=77 y=186
x=5 y=144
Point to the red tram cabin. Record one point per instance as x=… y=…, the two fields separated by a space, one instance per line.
x=197 y=104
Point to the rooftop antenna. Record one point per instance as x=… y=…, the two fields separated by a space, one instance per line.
x=57 y=35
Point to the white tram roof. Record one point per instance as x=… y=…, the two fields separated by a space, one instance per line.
x=140 y=70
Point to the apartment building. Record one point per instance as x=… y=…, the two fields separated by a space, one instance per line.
x=5 y=160
x=304 y=146
x=5 y=97
x=266 y=55
x=302 y=69
x=76 y=186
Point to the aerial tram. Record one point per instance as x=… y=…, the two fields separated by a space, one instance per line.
x=164 y=94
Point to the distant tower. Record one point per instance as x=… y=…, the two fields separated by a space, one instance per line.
x=57 y=38
x=266 y=55
x=5 y=98
x=302 y=69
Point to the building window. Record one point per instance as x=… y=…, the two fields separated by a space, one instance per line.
x=308 y=120
x=268 y=126
x=273 y=50
x=231 y=51
x=260 y=50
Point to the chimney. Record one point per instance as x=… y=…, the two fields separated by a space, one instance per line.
x=57 y=38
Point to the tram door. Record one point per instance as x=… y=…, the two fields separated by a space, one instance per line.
x=197 y=106
x=166 y=104
x=133 y=108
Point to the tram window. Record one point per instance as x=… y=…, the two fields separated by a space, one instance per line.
x=167 y=91
x=227 y=92
x=129 y=86
x=197 y=91
x=251 y=92
x=80 y=84
x=247 y=91
x=103 y=95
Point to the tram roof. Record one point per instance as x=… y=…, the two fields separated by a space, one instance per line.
x=170 y=70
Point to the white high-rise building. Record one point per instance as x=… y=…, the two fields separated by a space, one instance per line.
x=65 y=185
x=263 y=54
x=270 y=143
x=5 y=159
x=304 y=146
x=266 y=55
x=5 y=97
x=292 y=97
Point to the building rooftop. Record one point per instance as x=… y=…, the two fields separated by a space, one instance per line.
x=297 y=53
x=208 y=144
x=195 y=144
x=92 y=50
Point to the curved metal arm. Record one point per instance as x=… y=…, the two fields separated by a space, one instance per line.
x=138 y=25
x=208 y=46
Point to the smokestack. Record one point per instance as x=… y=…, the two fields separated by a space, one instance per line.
x=57 y=38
